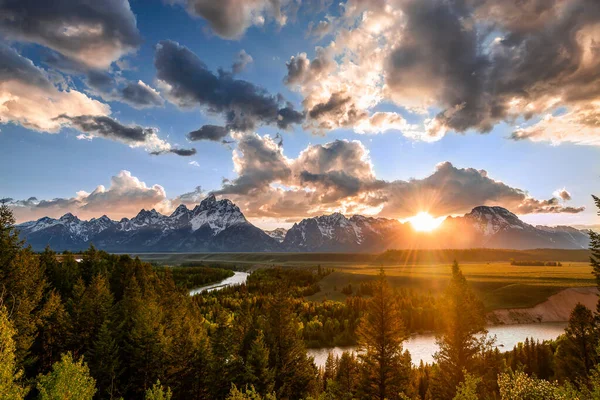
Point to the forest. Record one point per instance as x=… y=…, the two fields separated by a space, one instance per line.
x=114 y=327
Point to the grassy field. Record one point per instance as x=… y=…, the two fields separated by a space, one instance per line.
x=500 y=284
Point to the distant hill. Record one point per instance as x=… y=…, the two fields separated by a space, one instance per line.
x=220 y=226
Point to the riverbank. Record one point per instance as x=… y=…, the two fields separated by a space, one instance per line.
x=557 y=308
x=422 y=347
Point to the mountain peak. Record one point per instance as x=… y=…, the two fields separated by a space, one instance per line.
x=68 y=217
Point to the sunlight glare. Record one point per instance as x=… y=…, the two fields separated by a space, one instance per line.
x=423 y=222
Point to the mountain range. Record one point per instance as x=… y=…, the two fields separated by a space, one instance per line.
x=219 y=226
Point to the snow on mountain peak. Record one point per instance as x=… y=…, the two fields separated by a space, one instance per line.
x=491 y=220
x=217 y=215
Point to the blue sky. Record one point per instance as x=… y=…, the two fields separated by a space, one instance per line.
x=522 y=175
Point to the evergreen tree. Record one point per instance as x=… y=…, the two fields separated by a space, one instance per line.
x=576 y=354
x=22 y=287
x=258 y=372
x=68 y=380
x=463 y=319
x=347 y=376
x=380 y=336
x=105 y=362
x=10 y=376
x=295 y=374
x=225 y=363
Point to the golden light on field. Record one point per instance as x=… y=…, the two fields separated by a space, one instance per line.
x=423 y=222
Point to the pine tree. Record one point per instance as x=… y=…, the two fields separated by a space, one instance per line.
x=347 y=376
x=225 y=363
x=295 y=374
x=258 y=372
x=10 y=387
x=576 y=354
x=105 y=362
x=463 y=319
x=68 y=380
x=22 y=287
x=380 y=336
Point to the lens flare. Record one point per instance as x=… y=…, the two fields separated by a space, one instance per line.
x=423 y=222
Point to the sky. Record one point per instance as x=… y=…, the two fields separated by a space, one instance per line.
x=294 y=109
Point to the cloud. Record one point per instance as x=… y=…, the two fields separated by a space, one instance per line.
x=194 y=164
x=563 y=194
x=93 y=33
x=131 y=135
x=241 y=62
x=179 y=152
x=187 y=82
x=214 y=133
x=231 y=18
x=139 y=95
x=125 y=197
x=103 y=84
x=339 y=176
x=29 y=98
x=459 y=66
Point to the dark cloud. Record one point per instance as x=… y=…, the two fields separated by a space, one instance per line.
x=179 y=152
x=241 y=61
x=208 y=132
x=140 y=95
x=14 y=67
x=94 y=33
x=188 y=82
x=103 y=84
x=132 y=135
x=543 y=51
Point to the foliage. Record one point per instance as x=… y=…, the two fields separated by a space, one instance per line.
x=157 y=392
x=467 y=389
x=10 y=386
x=248 y=394
x=520 y=386
x=68 y=380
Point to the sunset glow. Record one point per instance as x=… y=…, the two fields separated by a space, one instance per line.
x=423 y=222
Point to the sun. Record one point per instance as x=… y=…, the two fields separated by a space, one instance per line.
x=423 y=222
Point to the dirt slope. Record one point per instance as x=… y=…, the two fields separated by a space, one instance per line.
x=556 y=309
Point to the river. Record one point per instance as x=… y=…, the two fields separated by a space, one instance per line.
x=237 y=279
x=422 y=347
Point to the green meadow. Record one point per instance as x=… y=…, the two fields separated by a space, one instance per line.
x=489 y=271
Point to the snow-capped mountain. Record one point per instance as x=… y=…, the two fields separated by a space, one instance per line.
x=219 y=226
x=211 y=226
x=277 y=234
x=336 y=232
x=496 y=227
